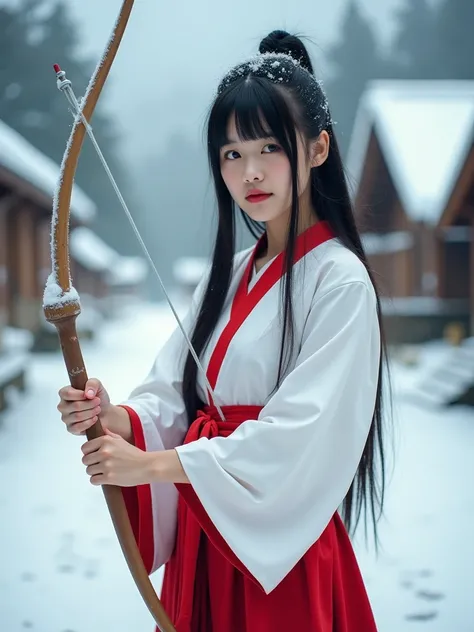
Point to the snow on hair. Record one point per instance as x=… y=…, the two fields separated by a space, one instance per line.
x=279 y=68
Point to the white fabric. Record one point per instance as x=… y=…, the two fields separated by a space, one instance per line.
x=159 y=404
x=273 y=485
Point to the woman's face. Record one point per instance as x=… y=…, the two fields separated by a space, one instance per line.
x=261 y=166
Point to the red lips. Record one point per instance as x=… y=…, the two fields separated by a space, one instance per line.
x=257 y=195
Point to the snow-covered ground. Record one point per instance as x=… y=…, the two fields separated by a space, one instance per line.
x=423 y=576
x=61 y=568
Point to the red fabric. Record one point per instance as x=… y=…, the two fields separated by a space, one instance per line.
x=244 y=301
x=138 y=502
x=207 y=589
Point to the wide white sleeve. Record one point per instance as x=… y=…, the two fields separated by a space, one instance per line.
x=272 y=486
x=160 y=423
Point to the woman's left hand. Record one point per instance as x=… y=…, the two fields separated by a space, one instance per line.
x=111 y=460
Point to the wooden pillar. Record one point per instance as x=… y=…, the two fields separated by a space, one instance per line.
x=3 y=261
x=4 y=303
x=429 y=268
x=23 y=265
x=26 y=251
x=472 y=273
x=43 y=263
x=402 y=271
x=443 y=279
x=7 y=204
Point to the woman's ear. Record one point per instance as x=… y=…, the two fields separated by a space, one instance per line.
x=320 y=149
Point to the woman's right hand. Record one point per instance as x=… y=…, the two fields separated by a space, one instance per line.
x=81 y=409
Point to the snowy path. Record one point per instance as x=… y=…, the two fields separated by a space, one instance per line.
x=61 y=569
x=423 y=577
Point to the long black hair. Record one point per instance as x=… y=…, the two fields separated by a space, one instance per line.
x=276 y=94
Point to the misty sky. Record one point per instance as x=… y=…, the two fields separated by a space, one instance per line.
x=174 y=53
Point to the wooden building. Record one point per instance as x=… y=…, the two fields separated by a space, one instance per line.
x=27 y=181
x=105 y=275
x=457 y=225
x=411 y=167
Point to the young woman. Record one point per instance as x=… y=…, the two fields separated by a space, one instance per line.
x=245 y=511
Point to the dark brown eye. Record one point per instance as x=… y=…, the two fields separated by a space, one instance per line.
x=271 y=148
x=228 y=155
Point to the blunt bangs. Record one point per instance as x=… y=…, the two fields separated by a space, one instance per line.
x=261 y=110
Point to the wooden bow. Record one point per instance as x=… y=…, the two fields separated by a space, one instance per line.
x=62 y=306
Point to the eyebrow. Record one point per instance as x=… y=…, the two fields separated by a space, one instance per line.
x=232 y=141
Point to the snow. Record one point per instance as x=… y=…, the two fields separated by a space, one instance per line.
x=94 y=254
x=423 y=305
x=11 y=366
x=62 y=568
x=189 y=270
x=15 y=345
x=131 y=271
x=16 y=339
x=91 y=251
x=422 y=359
x=424 y=572
x=439 y=372
x=280 y=67
x=375 y=243
x=21 y=158
x=54 y=295
x=59 y=551
x=425 y=129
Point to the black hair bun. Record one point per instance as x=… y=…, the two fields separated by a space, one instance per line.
x=283 y=42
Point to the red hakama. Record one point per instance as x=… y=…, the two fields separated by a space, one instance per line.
x=207 y=589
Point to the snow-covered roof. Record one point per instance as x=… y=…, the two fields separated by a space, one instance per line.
x=375 y=243
x=91 y=251
x=94 y=254
x=189 y=270
x=24 y=160
x=425 y=129
x=128 y=271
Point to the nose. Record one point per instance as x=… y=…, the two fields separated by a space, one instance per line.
x=252 y=172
